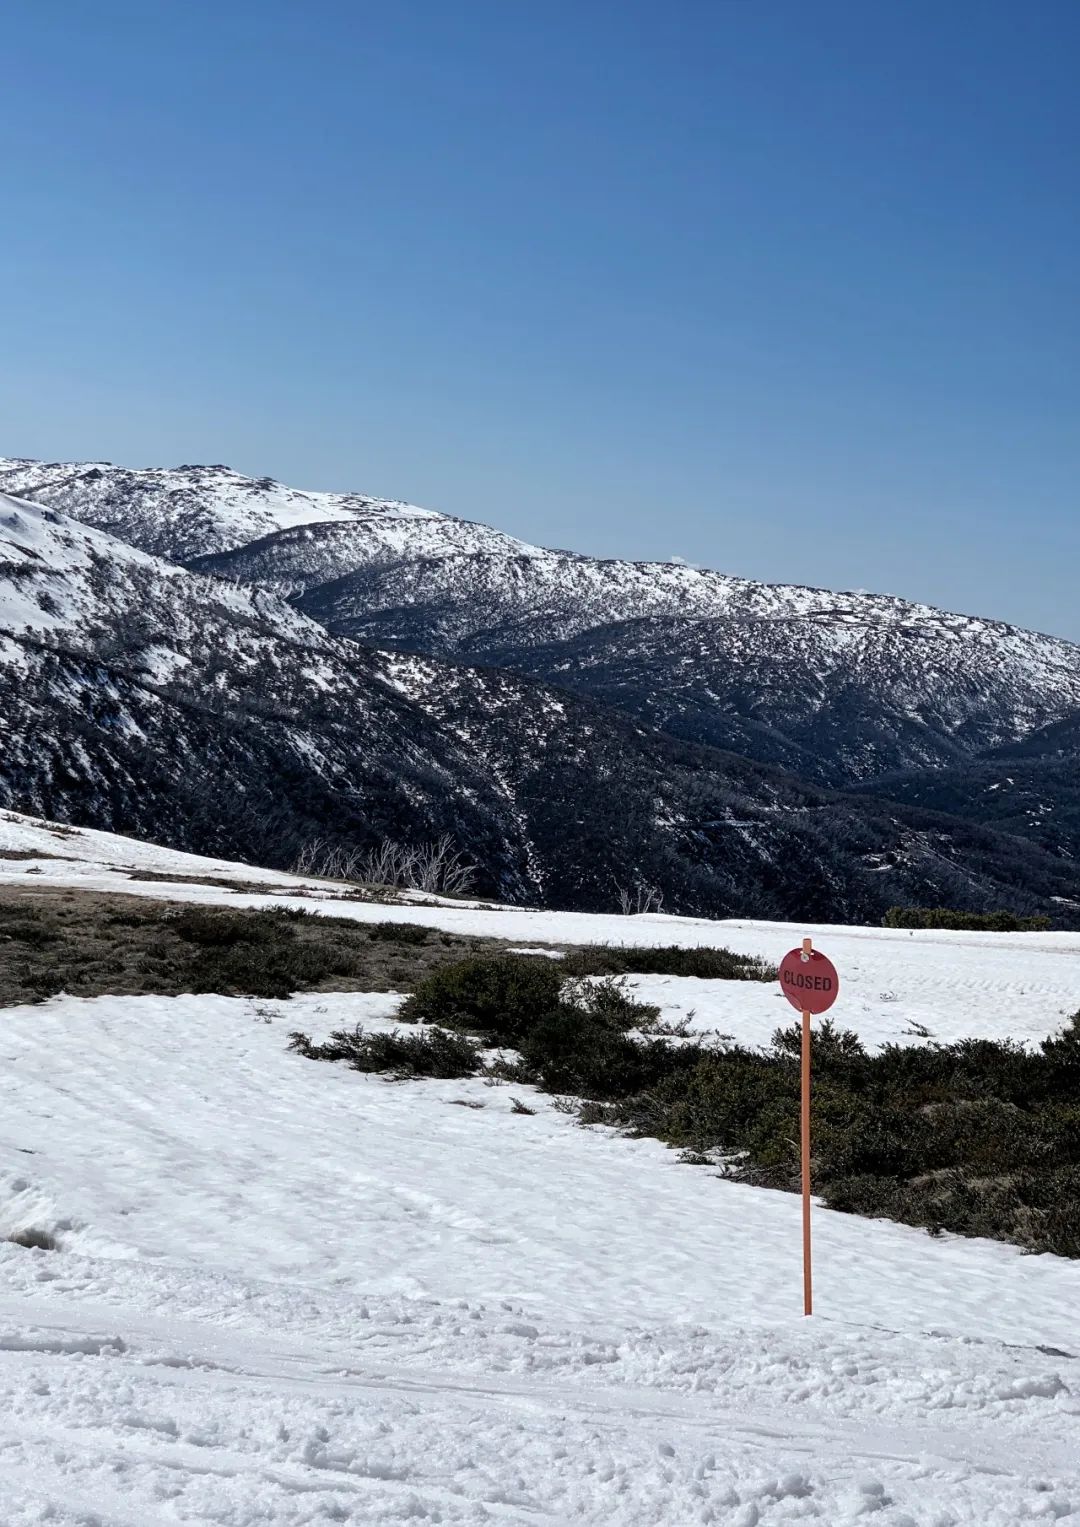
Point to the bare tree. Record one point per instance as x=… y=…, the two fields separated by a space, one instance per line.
x=438 y=868
x=325 y=860
x=640 y=899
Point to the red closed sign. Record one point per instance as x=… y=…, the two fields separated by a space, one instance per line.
x=809 y=981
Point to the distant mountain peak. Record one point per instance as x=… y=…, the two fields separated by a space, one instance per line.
x=187 y=511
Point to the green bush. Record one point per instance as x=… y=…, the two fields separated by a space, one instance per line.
x=499 y=996
x=670 y=960
x=609 y=1001
x=429 y=1052
x=583 y=1044
x=970 y=922
x=270 y=970
x=979 y=1137
x=399 y=933
x=218 y=928
x=570 y=1050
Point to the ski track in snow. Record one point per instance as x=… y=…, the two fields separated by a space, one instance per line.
x=287 y=1293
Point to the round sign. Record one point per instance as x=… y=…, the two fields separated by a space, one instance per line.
x=809 y=981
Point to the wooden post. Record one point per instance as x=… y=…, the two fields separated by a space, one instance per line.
x=808 y=1280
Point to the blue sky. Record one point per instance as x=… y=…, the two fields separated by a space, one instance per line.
x=785 y=287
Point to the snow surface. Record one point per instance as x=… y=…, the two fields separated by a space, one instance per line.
x=287 y=1293
x=62 y=854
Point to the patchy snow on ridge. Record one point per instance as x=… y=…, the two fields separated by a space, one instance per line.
x=843 y=688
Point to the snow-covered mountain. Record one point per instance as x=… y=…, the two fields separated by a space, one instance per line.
x=140 y=697
x=844 y=688
x=183 y=512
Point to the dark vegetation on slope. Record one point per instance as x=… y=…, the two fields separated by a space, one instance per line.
x=403 y=1057
x=843 y=689
x=968 y=922
x=668 y=960
x=89 y=945
x=979 y=1138
x=1037 y=798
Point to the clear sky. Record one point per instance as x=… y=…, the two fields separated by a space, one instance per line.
x=785 y=287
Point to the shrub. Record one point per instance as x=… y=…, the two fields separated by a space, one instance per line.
x=42 y=984
x=429 y=1052
x=215 y=927
x=609 y=1001
x=33 y=1239
x=499 y=996
x=708 y=964
x=33 y=933
x=1040 y=1211
x=583 y=1044
x=971 y=922
x=399 y=933
x=247 y=969
x=573 y=1050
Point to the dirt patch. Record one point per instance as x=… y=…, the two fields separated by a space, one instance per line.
x=32 y=853
x=376 y=895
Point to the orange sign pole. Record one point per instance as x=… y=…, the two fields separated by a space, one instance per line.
x=809 y=981
x=808 y=1277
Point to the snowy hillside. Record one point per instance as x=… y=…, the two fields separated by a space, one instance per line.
x=61 y=854
x=141 y=697
x=289 y=1293
x=61 y=580
x=842 y=688
x=292 y=561
x=182 y=512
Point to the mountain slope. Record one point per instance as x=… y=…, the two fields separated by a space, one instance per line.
x=183 y=512
x=138 y=697
x=1031 y=788
x=844 y=688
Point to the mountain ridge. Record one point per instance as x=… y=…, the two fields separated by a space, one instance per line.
x=136 y=696
x=836 y=691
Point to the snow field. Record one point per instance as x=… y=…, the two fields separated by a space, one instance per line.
x=288 y=1293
